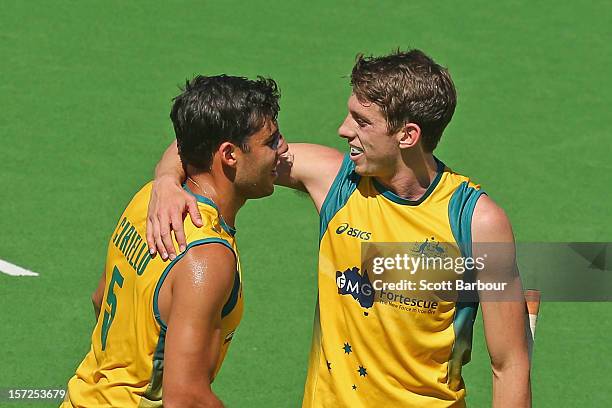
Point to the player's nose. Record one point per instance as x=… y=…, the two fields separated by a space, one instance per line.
x=283 y=146
x=345 y=131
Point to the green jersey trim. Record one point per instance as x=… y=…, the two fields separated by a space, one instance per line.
x=390 y=195
x=460 y=212
x=344 y=185
x=204 y=241
x=205 y=200
x=152 y=397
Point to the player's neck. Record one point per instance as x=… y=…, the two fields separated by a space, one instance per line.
x=220 y=191
x=413 y=176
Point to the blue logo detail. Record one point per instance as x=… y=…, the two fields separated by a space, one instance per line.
x=362 y=371
x=350 y=282
x=429 y=248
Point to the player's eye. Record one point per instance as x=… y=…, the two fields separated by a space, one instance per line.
x=274 y=142
x=360 y=122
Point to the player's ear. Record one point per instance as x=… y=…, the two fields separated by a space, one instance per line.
x=227 y=152
x=410 y=135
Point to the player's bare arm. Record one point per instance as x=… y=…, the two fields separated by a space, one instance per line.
x=504 y=321
x=306 y=167
x=191 y=304
x=310 y=168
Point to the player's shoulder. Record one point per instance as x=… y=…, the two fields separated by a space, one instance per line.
x=214 y=228
x=136 y=209
x=490 y=223
x=457 y=178
x=209 y=247
x=208 y=268
x=214 y=255
x=488 y=212
x=140 y=199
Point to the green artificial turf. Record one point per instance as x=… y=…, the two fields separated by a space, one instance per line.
x=85 y=93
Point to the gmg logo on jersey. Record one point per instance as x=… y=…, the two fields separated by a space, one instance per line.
x=353 y=232
x=351 y=282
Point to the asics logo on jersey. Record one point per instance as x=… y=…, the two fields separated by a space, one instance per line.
x=353 y=232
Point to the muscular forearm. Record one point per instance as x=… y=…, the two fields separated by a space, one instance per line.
x=511 y=386
x=170 y=165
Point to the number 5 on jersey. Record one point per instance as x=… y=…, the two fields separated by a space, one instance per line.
x=111 y=301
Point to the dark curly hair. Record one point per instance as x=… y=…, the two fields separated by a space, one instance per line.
x=216 y=109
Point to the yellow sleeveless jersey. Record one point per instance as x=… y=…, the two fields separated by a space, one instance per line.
x=124 y=367
x=375 y=348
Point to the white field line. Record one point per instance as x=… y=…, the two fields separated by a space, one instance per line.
x=14 y=270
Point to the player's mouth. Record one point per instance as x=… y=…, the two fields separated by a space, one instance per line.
x=355 y=152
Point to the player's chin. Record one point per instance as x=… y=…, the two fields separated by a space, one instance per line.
x=363 y=170
x=264 y=190
x=361 y=165
x=270 y=190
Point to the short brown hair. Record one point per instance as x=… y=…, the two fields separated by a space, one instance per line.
x=408 y=86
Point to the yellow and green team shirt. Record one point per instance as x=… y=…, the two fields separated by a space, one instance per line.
x=375 y=348
x=124 y=367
